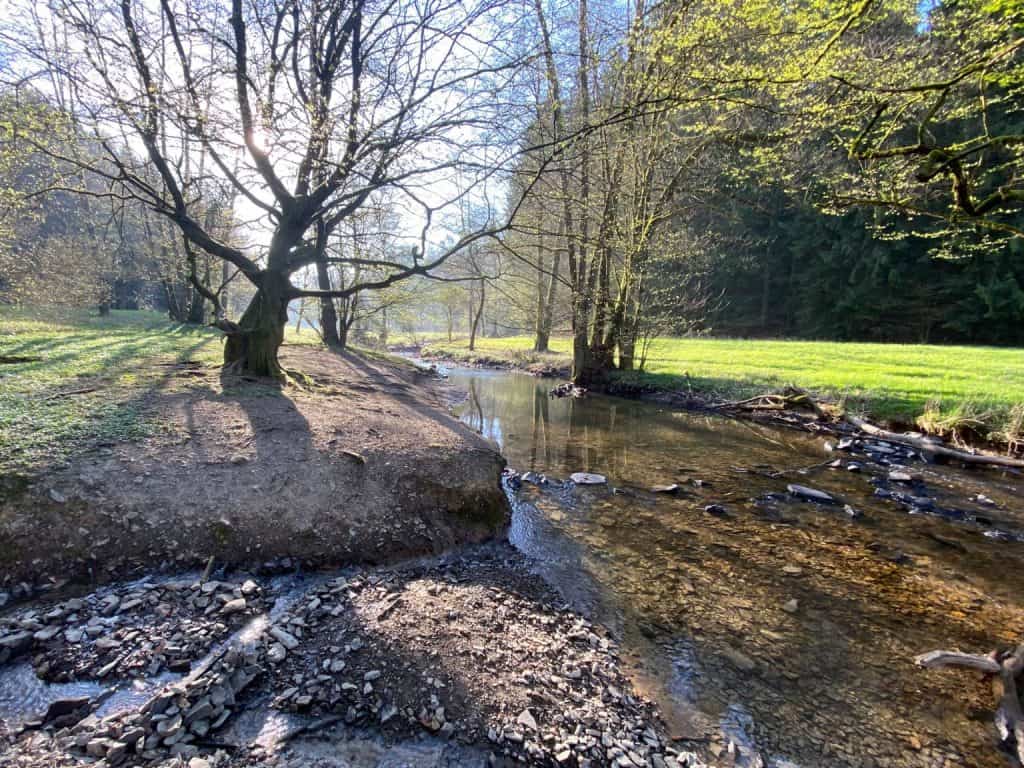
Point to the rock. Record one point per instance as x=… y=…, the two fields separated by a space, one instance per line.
x=184 y=751
x=107 y=643
x=47 y=633
x=284 y=638
x=198 y=762
x=65 y=708
x=854 y=466
x=792 y=570
x=249 y=588
x=387 y=713
x=671 y=488
x=810 y=494
x=57 y=496
x=116 y=751
x=715 y=509
x=238 y=459
x=277 y=653
x=16 y=642
x=900 y=477
x=96 y=747
x=587 y=478
x=791 y=606
x=527 y=720
x=373 y=674
x=739 y=659
x=234 y=606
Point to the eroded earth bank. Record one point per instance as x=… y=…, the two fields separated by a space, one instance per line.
x=264 y=583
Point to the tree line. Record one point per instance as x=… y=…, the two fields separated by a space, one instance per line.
x=828 y=168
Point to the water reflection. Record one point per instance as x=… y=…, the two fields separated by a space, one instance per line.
x=787 y=628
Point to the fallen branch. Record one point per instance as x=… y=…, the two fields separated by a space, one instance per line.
x=927 y=447
x=68 y=393
x=941 y=659
x=1009 y=716
x=932 y=449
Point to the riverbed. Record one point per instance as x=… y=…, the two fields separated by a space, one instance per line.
x=780 y=630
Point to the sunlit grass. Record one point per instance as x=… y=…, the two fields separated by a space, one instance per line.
x=888 y=382
x=88 y=382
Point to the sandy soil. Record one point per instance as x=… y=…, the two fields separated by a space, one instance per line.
x=360 y=464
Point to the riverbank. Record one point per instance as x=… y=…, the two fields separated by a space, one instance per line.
x=365 y=667
x=126 y=449
x=972 y=395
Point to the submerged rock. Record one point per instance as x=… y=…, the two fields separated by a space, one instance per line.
x=810 y=494
x=587 y=478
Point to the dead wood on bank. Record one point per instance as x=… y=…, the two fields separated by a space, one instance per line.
x=792 y=398
x=1006 y=669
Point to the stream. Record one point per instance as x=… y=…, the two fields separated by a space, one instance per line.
x=779 y=631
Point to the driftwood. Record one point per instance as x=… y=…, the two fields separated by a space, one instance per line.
x=795 y=397
x=939 y=659
x=790 y=397
x=930 y=448
x=1005 y=668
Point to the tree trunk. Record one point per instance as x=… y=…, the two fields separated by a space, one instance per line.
x=328 y=314
x=343 y=334
x=542 y=333
x=476 y=318
x=253 y=348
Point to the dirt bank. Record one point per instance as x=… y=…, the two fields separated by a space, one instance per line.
x=359 y=464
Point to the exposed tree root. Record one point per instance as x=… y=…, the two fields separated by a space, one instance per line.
x=1006 y=669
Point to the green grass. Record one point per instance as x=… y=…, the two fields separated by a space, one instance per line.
x=117 y=357
x=898 y=383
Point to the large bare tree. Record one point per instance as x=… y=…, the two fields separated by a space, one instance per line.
x=304 y=109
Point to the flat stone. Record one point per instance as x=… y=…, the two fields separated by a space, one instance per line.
x=284 y=638
x=17 y=642
x=739 y=659
x=810 y=494
x=233 y=606
x=527 y=720
x=791 y=606
x=47 y=633
x=670 y=488
x=587 y=478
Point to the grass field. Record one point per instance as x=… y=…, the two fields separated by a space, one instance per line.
x=88 y=380
x=940 y=388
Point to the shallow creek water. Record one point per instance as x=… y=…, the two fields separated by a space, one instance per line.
x=703 y=601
